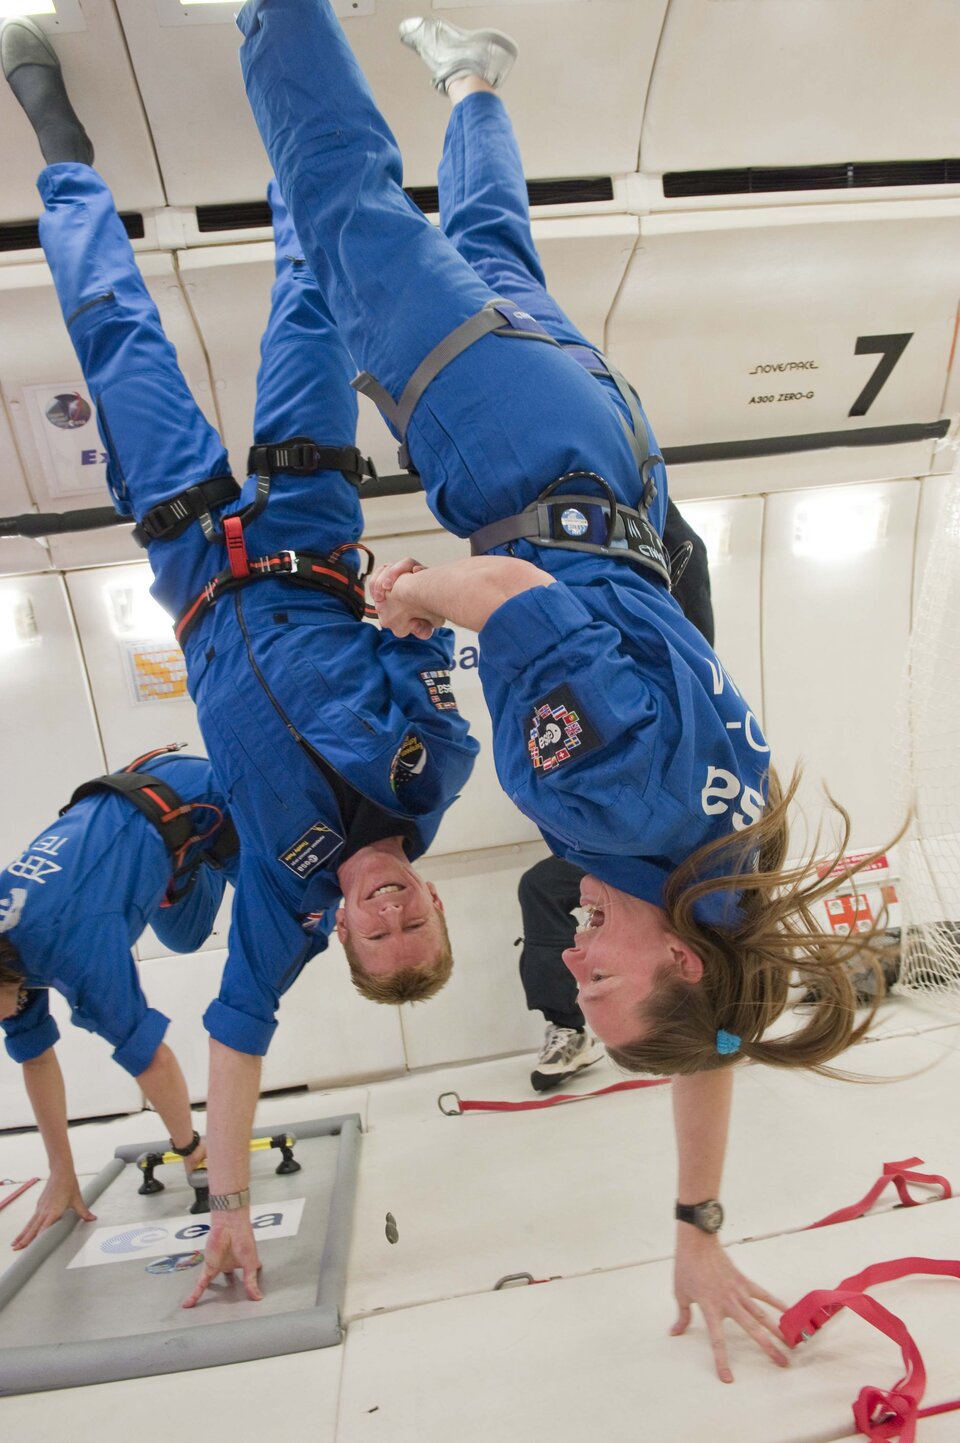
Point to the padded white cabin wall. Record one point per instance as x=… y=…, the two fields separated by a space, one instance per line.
x=104 y=94
x=327 y=1034
x=137 y=678
x=189 y=77
x=36 y=358
x=16 y=553
x=733 y=329
x=732 y=531
x=835 y=630
x=50 y=744
x=802 y=82
x=95 y=1085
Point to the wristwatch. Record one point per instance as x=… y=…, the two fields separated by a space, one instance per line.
x=707 y=1216
x=228 y=1202
x=190 y=1148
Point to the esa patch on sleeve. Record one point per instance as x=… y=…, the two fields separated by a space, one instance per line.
x=560 y=731
x=439 y=689
x=311 y=850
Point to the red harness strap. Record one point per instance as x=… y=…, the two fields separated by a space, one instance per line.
x=882 y=1415
x=236 y=547
x=893 y=1172
x=474 y=1105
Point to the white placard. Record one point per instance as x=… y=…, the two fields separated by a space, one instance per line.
x=128 y=1242
x=64 y=426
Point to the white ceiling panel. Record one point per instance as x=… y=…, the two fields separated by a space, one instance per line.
x=104 y=94
x=803 y=82
x=734 y=335
x=190 y=81
x=64 y=467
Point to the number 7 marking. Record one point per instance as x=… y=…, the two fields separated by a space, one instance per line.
x=890 y=348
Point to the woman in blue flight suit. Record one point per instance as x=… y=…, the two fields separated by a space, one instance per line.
x=338 y=746
x=71 y=907
x=615 y=727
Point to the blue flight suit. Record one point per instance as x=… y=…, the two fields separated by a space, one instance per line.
x=279 y=674
x=77 y=899
x=615 y=728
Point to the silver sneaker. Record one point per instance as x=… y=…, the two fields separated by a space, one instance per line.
x=564 y=1052
x=448 y=51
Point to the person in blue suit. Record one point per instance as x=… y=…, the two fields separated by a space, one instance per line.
x=122 y=857
x=338 y=746
x=615 y=727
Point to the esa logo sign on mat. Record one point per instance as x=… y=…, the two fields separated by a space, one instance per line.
x=125 y=1242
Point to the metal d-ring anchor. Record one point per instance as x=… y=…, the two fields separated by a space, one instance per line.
x=456 y=1111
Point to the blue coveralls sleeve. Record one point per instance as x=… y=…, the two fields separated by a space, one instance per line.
x=186 y=925
x=32 y=1031
x=575 y=720
x=108 y=999
x=268 y=949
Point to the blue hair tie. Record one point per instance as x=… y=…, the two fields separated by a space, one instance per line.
x=727 y=1043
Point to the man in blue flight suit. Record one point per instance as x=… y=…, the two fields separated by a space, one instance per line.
x=339 y=746
x=122 y=856
x=615 y=727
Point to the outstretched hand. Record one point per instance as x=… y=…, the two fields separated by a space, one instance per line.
x=59 y=1194
x=703 y=1274
x=230 y=1247
x=395 y=609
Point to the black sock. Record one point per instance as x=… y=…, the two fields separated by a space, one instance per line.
x=41 y=92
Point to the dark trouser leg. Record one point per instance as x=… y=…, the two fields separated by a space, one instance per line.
x=693 y=591
x=548 y=892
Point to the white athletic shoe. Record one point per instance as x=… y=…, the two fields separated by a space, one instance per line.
x=564 y=1052
x=447 y=50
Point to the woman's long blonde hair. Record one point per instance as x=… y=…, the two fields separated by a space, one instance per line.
x=749 y=966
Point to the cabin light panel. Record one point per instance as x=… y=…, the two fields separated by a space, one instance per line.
x=834 y=528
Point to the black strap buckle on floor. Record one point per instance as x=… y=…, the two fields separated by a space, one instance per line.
x=303 y=568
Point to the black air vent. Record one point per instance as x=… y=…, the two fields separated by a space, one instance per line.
x=853 y=175
x=25 y=235
x=255 y=214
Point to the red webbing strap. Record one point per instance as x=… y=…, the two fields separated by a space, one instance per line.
x=5 y=1202
x=880 y=1414
x=236 y=546
x=476 y=1105
x=900 y=1175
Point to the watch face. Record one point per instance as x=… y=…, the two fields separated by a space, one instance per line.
x=709 y=1217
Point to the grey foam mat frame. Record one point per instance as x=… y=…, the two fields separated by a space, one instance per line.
x=39 y=1367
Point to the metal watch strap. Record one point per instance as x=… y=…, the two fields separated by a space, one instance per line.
x=190 y=1148
x=228 y=1202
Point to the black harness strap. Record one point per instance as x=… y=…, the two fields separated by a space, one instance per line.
x=169 y=519
x=303 y=568
x=169 y=813
x=299 y=455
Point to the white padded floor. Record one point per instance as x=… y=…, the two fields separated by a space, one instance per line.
x=580 y=1193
